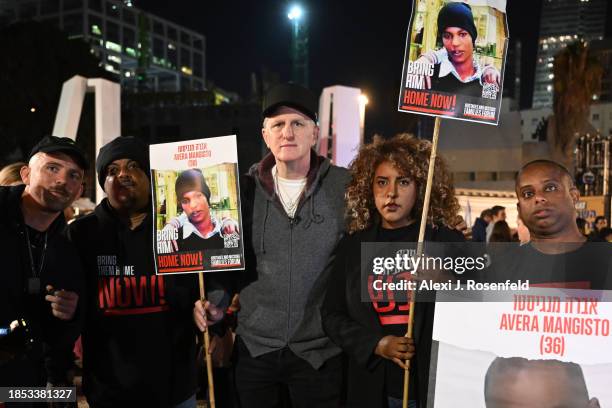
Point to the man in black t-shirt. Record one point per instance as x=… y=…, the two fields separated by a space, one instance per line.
x=558 y=254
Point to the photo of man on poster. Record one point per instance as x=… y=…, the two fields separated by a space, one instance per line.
x=455 y=67
x=197 y=227
x=519 y=382
x=454 y=59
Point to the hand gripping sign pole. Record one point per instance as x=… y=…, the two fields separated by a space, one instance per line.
x=430 y=173
x=207 y=356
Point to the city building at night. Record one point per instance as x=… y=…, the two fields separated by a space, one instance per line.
x=144 y=51
x=563 y=22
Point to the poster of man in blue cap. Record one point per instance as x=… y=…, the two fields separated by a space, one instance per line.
x=454 y=59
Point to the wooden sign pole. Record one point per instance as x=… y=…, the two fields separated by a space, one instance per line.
x=430 y=173
x=207 y=356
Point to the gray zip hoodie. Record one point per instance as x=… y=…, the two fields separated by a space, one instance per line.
x=292 y=259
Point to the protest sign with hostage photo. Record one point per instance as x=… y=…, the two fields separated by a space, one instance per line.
x=196 y=204
x=454 y=59
x=544 y=348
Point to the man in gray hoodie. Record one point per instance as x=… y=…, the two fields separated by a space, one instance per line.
x=293 y=212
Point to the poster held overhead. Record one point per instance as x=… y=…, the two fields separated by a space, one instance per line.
x=454 y=60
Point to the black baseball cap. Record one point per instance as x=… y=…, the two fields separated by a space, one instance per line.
x=50 y=144
x=293 y=96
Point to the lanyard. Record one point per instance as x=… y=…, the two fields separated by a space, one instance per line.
x=36 y=273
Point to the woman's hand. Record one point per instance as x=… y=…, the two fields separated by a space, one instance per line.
x=396 y=349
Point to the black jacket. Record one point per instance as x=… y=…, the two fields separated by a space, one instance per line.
x=479 y=230
x=355 y=327
x=138 y=337
x=54 y=338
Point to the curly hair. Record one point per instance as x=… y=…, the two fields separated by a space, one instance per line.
x=411 y=157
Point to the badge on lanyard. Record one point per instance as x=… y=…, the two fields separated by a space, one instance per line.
x=34 y=285
x=34 y=279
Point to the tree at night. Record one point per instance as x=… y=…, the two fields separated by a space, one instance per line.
x=577 y=77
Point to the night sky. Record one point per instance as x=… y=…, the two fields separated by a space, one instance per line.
x=352 y=43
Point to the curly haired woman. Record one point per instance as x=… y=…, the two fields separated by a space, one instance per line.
x=384 y=204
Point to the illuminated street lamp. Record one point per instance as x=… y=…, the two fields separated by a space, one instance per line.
x=363 y=101
x=295 y=13
x=299 y=45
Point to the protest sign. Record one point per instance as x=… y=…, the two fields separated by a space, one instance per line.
x=196 y=205
x=545 y=340
x=454 y=60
